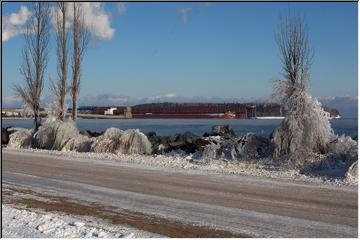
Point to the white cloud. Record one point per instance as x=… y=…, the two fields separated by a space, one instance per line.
x=121 y=8
x=13 y=24
x=97 y=20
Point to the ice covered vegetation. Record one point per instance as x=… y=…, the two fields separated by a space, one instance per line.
x=64 y=136
x=336 y=160
x=20 y=138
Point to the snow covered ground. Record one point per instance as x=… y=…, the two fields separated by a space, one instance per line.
x=176 y=161
x=18 y=222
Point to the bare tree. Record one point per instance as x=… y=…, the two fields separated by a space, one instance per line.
x=35 y=59
x=305 y=128
x=60 y=88
x=81 y=37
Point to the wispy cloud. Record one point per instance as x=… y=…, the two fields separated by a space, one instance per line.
x=14 y=24
x=121 y=8
x=184 y=13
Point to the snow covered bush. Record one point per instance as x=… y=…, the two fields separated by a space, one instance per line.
x=126 y=142
x=352 y=173
x=343 y=148
x=133 y=141
x=108 y=142
x=53 y=112
x=21 y=138
x=44 y=138
x=80 y=143
x=53 y=135
x=65 y=132
x=306 y=128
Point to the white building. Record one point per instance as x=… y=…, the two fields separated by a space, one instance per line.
x=110 y=111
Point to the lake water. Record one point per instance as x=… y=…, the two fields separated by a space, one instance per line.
x=347 y=126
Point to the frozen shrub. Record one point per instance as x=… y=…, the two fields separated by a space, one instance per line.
x=21 y=138
x=343 y=148
x=352 y=173
x=54 y=135
x=108 y=142
x=306 y=128
x=53 y=112
x=44 y=138
x=79 y=143
x=134 y=142
x=64 y=132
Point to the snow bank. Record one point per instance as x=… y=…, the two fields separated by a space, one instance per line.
x=21 y=138
x=30 y=223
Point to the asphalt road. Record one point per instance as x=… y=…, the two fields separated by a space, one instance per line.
x=246 y=205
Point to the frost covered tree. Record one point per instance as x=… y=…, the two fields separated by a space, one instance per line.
x=81 y=37
x=305 y=129
x=59 y=88
x=35 y=52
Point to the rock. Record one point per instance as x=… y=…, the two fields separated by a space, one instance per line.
x=252 y=146
x=90 y=134
x=352 y=173
x=187 y=142
x=223 y=130
x=153 y=138
x=189 y=137
x=5 y=136
x=211 y=152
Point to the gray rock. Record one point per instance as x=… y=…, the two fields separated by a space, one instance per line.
x=252 y=146
x=223 y=130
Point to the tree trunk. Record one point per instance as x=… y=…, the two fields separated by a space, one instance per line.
x=74 y=108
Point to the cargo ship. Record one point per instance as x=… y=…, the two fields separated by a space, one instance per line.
x=191 y=111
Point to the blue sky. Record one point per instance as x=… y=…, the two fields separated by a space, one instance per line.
x=198 y=50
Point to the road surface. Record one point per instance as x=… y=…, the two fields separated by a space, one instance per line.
x=247 y=206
